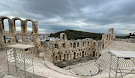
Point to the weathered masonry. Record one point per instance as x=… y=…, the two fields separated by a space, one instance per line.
x=12 y=35
x=53 y=51
x=63 y=49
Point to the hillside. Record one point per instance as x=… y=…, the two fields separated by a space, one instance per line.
x=74 y=34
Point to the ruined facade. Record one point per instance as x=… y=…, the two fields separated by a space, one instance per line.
x=53 y=51
x=63 y=49
x=12 y=34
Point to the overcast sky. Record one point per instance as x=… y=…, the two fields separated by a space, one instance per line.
x=85 y=15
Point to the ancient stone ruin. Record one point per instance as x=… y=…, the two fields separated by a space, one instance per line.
x=23 y=34
x=54 y=51
x=63 y=49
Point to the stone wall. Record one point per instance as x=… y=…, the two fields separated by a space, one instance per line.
x=64 y=50
x=54 y=51
x=23 y=34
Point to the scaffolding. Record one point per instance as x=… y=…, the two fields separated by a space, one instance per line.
x=114 y=63
x=20 y=59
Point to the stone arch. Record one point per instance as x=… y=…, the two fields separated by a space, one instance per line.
x=18 y=38
x=78 y=44
x=94 y=43
x=56 y=45
x=60 y=56
x=93 y=53
x=5 y=24
x=14 y=19
x=2 y=21
x=64 y=57
x=28 y=21
x=74 y=45
x=63 y=45
x=88 y=43
x=6 y=38
x=63 y=36
x=74 y=55
x=71 y=45
x=82 y=53
x=83 y=43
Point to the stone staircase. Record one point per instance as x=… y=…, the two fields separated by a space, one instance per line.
x=85 y=70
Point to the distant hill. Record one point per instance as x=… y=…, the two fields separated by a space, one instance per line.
x=75 y=34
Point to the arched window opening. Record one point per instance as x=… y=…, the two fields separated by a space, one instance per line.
x=30 y=38
x=63 y=45
x=80 y=54
x=18 y=39
x=63 y=36
x=5 y=24
x=74 y=45
x=60 y=57
x=18 y=25
x=56 y=45
x=29 y=26
x=71 y=45
x=83 y=54
x=64 y=57
x=83 y=43
x=94 y=44
x=74 y=55
x=77 y=54
x=88 y=43
x=78 y=44
x=6 y=39
x=93 y=53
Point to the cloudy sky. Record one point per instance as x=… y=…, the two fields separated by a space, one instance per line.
x=85 y=15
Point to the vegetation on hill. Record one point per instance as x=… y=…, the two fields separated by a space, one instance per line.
x=75 y=34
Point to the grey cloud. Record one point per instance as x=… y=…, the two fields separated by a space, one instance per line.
x=100 y=13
